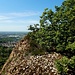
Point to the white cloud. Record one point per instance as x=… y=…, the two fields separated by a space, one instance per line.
x=17 y=15
x=17 y=21
x=6 y=21
x=20 y=21
x=20 y=17
x=24 y=14
x=19 y=25
x=13 y=28
x=3 y=17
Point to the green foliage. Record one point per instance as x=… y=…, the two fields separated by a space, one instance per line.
x=62 y=65
x=56 y=29
x=72 y=62
x=56 y=32
x=66 y=66
x=71 y=47
x=4 y=54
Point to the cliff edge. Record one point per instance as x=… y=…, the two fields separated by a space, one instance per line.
x=21 y=64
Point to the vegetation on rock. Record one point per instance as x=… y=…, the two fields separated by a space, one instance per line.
x=55 y=33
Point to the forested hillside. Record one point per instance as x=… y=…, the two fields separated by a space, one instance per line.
x=4 y=54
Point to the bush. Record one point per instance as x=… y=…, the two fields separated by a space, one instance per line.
x=66 y=66
x=56 y=32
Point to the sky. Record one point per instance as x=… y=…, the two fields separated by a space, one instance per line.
x=17 y=15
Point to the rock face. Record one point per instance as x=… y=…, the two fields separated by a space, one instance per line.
x=19 y=64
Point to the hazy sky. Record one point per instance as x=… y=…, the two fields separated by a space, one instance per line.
x=17 y=15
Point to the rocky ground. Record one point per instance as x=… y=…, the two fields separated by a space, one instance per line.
x=19 y=64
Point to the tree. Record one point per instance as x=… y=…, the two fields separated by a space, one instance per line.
x=56 y=31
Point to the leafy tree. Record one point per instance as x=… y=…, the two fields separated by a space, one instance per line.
x=56 y=33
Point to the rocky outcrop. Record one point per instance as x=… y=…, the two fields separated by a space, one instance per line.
x=20 y=64
x=19 y=50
